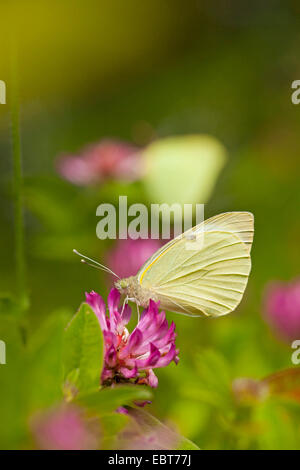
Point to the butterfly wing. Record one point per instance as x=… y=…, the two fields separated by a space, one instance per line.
x=239 y=223
x=208 y=279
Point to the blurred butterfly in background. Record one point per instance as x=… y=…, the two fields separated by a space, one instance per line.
x=203 y=272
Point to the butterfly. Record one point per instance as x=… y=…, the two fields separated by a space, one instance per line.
x=208 y=280
x=202 y=272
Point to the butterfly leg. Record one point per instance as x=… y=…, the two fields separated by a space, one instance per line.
x=124 y=303
x=138 y=310
x=131 y=299
x=126 y=300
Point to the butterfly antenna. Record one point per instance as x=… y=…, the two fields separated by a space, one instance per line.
x=94 y=264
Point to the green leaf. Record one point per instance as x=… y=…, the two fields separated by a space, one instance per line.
x=83 y=348
x=70 y=387
x=111 y=425
x=44 y=363
x=109 y=399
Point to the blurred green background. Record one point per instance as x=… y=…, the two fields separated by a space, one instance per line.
x=139 y=71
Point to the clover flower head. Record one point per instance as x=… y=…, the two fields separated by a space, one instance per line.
x=282 y=309
x=64 y=427
x=107 y=159
x=131 y=357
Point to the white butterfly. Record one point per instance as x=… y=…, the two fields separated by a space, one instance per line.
x=207 y=281
x=207 y=278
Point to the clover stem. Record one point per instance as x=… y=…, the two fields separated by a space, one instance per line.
x=20 y=263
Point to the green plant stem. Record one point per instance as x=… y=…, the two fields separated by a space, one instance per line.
x=17 y=186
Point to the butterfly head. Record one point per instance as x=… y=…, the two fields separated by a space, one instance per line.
x=128 y=286
x=122 y=285
x=131 y=287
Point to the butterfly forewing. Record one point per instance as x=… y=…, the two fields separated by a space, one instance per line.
x=239 y=223
x=209 y=280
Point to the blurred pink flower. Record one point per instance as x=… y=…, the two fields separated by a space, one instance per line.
x=282 y=309
x=108 y=159
x=127 y=256
x=64 y=428
x=131 y=357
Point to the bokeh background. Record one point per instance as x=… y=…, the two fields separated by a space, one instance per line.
x=137 y=72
